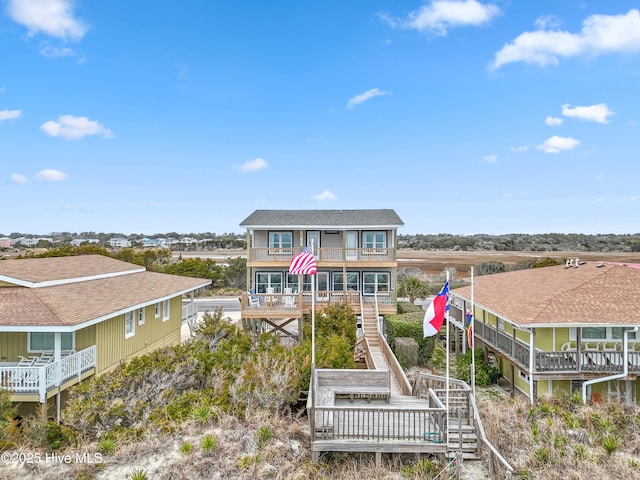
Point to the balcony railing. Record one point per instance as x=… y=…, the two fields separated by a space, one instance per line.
x=563 y=361
x=329 y=255
x=295 y=301
x=42 y=378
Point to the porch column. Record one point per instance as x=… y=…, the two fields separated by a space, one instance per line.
x=57 y=356
x=532 y=357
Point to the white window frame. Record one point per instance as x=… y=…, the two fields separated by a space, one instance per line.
x=281 y=242
x=609 y=337
x=374 y=239
x=141 y=315
x=371 y=288
x=129 y=324
x=166 y=310
x=338 y=279
x=156 y=310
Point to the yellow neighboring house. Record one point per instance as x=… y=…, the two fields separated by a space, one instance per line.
x=63 y=319
x=562 y=329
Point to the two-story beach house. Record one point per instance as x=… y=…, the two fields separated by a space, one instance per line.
x=63 y=319
x=562 y=329
x=355 y=252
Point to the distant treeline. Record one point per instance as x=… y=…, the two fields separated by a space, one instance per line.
x=547 y=242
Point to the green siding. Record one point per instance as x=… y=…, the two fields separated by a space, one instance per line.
x=544 y=339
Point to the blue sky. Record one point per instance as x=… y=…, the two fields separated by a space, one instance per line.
x=464 y=116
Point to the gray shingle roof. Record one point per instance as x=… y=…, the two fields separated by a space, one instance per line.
x=308 y=219
x=590 y=294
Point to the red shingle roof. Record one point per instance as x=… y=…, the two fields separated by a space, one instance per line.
x=590 y=294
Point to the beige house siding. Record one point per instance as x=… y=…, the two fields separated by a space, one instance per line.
x=11 y=345
x=112 y=346
x=85 y=338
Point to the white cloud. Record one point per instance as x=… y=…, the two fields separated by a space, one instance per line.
x=557 y=144
x=10 y=114
x=490 y=158
x=438 y=16
x=71 y=127
x=547 y=21
x=600 y=35
x=594 y=113
x=51 y=175
x=553 y=121
x=522 y=148
x=50 y=51
x=51 y=17
x=17 y=178
x=254 y=165
x=363 y=97
x=324 y=196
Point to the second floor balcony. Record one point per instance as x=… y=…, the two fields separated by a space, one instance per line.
x=588 y=361
x=325 y=256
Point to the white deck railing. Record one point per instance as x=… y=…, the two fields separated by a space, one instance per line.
x=41 y=379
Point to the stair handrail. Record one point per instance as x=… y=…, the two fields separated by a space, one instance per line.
x=493 y=450
x=462 y=385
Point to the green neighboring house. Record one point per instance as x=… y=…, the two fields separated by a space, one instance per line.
x=562 y=329
x=64 y=319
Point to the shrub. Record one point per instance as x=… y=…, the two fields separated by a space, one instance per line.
x=208 y=443
x=186 y=448
x=485 y=373
x=410 y=325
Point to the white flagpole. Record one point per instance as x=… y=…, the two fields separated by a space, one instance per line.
x=313 y=316
x=473 y=341
x=447 y=360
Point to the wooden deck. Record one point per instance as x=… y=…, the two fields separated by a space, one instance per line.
x=367 y=420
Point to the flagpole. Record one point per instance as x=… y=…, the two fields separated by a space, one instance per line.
x=313 y=316
x=473 y=341
x=447 y=362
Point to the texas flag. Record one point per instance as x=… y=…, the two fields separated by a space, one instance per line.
x=434 y=316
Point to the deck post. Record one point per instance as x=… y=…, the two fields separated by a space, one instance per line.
x=378 y=459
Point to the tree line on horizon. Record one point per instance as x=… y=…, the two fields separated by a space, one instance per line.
x=544 y=242
x=547 y=242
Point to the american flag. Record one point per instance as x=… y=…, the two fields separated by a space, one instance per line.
x=303 y=263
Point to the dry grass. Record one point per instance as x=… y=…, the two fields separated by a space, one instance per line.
x=434 y=262
x=562 y=439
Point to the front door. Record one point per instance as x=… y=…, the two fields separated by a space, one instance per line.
x=352 y=246
x=313 y=237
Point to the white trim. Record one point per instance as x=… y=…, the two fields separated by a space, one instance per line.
x=141 y=315
x=166 y=312
x=65 y=281
x=129 y=317
x=394 y=226
x=157 y=309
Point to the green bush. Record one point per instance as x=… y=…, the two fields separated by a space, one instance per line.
x=485 y=373
x=410 y=325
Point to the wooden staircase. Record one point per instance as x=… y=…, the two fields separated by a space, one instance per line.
x=462 y=435
x=370 y=325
